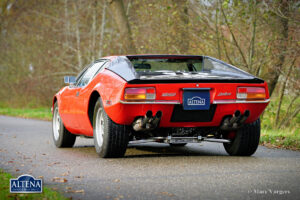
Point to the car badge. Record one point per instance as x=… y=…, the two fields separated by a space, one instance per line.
x=224 y=94
x=168 y=94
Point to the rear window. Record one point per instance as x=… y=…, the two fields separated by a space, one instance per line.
x=194 y=66
x=172 y=65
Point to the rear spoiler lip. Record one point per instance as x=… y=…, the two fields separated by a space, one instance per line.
x=148 y=81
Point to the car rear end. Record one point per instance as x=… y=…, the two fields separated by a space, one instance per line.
x=187 y=99
x=180 y=110
x=189 y=91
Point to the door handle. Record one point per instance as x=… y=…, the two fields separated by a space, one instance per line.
x=77 y=93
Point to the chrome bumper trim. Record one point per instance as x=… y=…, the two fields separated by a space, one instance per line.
x=149 y=102
x=239 y=101
x=178 y=102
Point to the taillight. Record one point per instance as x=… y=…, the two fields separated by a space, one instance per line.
x=251 y=93
x=148 y=93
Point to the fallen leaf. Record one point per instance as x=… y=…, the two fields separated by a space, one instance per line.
x=167 y=194
x=59 y=180
x=55 y=163
x=75 y=191
x=66 y=173
x=117 y=180
x=10 y=161
x=17 y=170
x=40 y=177
x=78 y=176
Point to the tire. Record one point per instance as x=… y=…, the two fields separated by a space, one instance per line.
x=61 y=136
x=246 y=140
x=177 y=144
x=110 y=139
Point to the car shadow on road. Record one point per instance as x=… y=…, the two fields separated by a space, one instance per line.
x=165 y=150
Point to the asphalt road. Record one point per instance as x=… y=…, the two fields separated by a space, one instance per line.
x=148 y=171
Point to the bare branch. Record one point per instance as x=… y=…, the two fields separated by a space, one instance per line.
x=282 y=91
x=233 y=37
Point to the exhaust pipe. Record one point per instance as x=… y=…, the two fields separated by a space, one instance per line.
x=156 y=119
x=140 y=123
x=244 y=117
x=228 y=122
x=146 y=119
x=148 y=122
x=236 y=116
x=236 y=121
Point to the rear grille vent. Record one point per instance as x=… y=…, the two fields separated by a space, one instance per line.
x=180 y=115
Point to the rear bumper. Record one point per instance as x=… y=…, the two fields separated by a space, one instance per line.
x=125 y=112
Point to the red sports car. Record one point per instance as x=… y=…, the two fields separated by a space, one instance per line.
x=174 y=99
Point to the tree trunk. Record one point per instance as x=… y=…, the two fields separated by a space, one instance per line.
x=103 y=21
x=272 y=73
x=121 y=20
x=181 y=30
x=282 y=92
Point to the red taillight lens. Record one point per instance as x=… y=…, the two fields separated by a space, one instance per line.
x=148 y=93
x=251 y=93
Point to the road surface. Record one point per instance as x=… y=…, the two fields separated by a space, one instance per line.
x=148 y=171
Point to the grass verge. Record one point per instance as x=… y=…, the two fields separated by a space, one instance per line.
x=270 y=137
x=282 y=138
x=35 y=113
x=47 y=194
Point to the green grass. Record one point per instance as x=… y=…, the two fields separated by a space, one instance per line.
x=283 y=138
x=269 y=115
x=35 y=113
x=47 y=194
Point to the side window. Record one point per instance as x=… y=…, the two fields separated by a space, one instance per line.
x=89 y=74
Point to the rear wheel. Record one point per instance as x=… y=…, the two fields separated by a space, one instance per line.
x=245 y=141
x=61 y=136
x=110 y=139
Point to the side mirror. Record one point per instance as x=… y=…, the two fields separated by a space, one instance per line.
x=70 y=80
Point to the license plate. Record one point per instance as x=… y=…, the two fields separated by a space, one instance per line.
x=195 y=99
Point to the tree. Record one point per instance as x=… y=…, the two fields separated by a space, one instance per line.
x=121 y=20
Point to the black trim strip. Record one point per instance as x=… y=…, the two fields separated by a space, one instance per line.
x=141 y=81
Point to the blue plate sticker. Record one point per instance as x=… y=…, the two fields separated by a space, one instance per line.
x=196 y=100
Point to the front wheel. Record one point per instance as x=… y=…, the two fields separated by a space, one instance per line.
x=61 y=136
x=110 y=139
x=246 y=140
